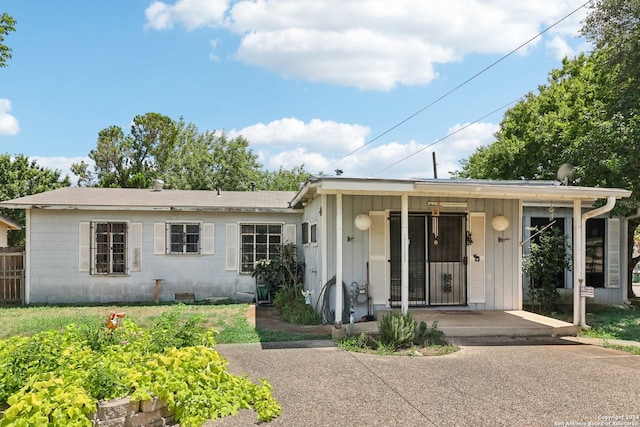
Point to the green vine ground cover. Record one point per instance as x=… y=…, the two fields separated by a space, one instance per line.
x=54 y=375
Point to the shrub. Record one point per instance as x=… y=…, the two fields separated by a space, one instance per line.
x=283 y=270
x=397 y=330
x=291 y=305
x=546 y=261
x=427 y=337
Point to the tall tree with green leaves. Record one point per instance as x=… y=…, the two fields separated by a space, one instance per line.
x=7 y=25
x=181 y=155
x=20 y=177
x=283 y=179
x=133 y=160
x=587 y=115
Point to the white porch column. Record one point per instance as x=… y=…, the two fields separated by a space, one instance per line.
x=339 y=302
x=404 y=233
x=578 y=259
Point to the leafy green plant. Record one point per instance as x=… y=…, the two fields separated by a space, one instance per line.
x=291 y=304
x=47 y=399
x=397 y=330
x=283 y=270
x=429 y=337
x=55 y=378
x=546 y=261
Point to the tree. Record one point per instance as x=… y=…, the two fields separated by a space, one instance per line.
x=235 y=166
x=7 y=25
x=23 y=177
x=580 y=117
x=283 y=179
x=130 y=161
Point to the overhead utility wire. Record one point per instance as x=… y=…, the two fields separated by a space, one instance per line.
x=460 y=85
x=447 y=136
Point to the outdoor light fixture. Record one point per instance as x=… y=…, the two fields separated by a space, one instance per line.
x=500 y=223
x=363 y=222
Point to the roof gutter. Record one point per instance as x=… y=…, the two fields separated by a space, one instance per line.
x=578 y=300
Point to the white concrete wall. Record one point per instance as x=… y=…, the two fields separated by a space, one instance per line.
x=54 y=275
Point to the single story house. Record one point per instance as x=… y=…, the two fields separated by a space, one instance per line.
x=390 y=242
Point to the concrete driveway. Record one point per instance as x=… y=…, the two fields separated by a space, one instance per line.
x=517 y=382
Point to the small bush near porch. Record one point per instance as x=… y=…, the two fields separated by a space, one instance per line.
x=401 y=334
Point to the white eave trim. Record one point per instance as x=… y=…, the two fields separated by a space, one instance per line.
x=154 y=208
x=461 y=189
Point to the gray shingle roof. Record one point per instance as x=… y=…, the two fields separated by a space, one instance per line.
x=147 y=199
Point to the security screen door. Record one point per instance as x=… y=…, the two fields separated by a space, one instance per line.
x=437 y=254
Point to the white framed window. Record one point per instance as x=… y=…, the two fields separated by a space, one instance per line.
x=313 y=233
x=110 y=247
x=183 y=239
x=257 y=242
x=109 y=250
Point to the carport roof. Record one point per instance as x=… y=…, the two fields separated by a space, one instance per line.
x=466 y=189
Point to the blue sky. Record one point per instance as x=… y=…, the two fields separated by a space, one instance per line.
x=306 y=82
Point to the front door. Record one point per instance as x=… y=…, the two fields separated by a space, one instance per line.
x=437 y=253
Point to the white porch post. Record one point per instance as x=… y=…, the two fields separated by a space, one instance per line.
x=324 y=236
x=404 y=233
x=578 y=259
x=339 y=302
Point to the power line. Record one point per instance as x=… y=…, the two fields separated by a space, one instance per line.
x=447 y=136
x=440 y=98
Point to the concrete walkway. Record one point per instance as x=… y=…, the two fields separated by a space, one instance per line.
x=554 y=382
x=454 y=323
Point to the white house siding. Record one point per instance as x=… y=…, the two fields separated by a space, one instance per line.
x=614 y=290
x=502 y=267
x=3 y=235
x=312 y=251
x=55 y=276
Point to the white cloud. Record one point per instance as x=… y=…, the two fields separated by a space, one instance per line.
x=8 y=123
x=371 y=44
x=191 y=13
x=321 y=146
x=323 y=135
x=559 y=48
x=61 y=164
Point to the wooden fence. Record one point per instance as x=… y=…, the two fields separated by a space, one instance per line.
x=11 y=275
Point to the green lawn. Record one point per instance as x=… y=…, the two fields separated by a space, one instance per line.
x=614 y=323
x=230 y=320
